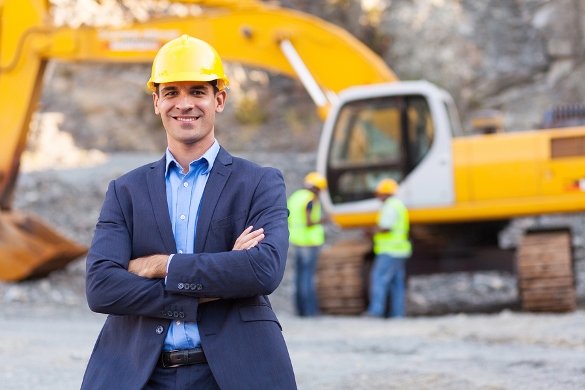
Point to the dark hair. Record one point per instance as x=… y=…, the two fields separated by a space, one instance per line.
x=212 y=82
x=214 y=85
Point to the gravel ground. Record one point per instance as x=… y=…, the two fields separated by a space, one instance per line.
x=48 y=332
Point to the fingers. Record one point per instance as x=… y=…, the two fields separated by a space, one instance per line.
x=247 y=230
x=249 y=239
x=255 y=234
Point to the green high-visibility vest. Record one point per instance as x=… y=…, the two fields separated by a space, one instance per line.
x=395 y=242
x=300 y=233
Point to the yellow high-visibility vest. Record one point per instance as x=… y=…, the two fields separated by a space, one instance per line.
x=395 y=242
x=300 y=233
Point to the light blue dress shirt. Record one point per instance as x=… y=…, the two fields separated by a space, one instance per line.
x=184 y=193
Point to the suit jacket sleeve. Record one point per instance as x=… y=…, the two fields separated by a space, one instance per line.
x=110 y=288
x=222 y=273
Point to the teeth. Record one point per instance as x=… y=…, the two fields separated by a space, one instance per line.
x=186 y=119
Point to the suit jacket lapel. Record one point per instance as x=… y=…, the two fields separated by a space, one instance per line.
x=215 y=183
x=157 y=191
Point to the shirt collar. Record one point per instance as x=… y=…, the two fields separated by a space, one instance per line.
x=209 y=156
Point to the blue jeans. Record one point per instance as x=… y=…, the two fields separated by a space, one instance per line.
x=306 y=293
x=387 y=280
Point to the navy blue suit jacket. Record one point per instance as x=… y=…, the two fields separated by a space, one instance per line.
x=240 y=333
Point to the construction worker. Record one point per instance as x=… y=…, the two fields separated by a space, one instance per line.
x=391 y=248
x=306 y=236
x=179 y=259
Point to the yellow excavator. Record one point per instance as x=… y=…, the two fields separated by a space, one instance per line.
x=460 y=190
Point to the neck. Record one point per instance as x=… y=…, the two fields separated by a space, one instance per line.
x=187 y=153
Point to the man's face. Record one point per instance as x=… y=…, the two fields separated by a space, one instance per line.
x=382 y=197
x=187 y=110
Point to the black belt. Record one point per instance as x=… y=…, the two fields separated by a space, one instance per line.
x=183 y=357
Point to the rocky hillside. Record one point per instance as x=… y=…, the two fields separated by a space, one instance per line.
x=517 y=56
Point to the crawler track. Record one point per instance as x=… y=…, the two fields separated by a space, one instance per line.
x=546 y=280
x=342 y=277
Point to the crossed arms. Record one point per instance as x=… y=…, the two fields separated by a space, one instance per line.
x=155 y=266
x=122 y=278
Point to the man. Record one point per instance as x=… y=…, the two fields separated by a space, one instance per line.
x=391 y=249
x=175 y=261
x=307 y=236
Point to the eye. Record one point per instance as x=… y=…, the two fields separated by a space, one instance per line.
x=169 y=92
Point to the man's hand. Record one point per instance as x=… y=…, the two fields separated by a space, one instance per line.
x=154 y=266
x=249 y=239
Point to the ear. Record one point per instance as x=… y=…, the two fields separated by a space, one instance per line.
x=220 y=97
x=155 y=101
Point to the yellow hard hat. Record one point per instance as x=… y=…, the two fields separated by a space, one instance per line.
x=187 y=59
x=386 y=186
x=315 y=179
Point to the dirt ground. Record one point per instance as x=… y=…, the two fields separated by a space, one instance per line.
x=48 y=332
x=47 y=348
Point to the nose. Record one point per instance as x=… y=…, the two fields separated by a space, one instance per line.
x=185 y=102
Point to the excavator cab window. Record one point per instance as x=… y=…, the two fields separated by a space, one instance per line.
x=375 y=139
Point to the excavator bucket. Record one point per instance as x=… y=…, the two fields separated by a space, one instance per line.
x=31 y=249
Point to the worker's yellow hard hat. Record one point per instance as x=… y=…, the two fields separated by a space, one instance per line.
x=315 y=179
x=386 y=186
x=187 y=59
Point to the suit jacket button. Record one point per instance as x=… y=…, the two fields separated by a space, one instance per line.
x=164 y=312
x=193 y=286
x=180 y=286
x=182 y=315
x=199 y=287
x=176 y=314
x=170 y=313
x=159 y=329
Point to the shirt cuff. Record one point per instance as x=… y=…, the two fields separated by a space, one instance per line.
x=168 y=264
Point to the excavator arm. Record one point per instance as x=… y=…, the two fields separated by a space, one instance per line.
x=326 y=58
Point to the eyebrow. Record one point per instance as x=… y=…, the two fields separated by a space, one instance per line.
x=192 y=88
x=168 y=88
x=198 y=87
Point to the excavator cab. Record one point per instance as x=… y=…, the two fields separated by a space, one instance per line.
x=387 y=131
x=374 y=139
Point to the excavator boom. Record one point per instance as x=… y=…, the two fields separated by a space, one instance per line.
x=250 y=32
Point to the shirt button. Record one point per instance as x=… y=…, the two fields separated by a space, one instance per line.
x=178 y=323
x=182 y=217
x=185 y=184
x=180 y=251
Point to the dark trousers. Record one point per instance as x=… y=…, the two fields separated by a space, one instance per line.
x=195 y=376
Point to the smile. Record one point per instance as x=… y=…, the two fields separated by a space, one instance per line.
x=182 y=119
